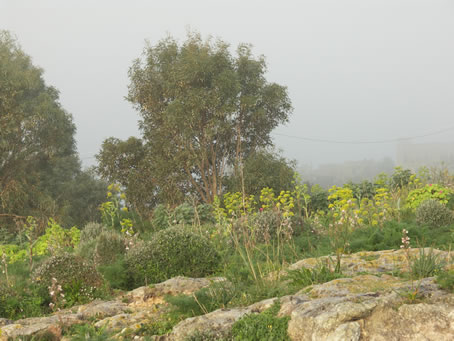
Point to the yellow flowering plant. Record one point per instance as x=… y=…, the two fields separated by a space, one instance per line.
x=114 y=211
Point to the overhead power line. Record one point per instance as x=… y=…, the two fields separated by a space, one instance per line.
x=310 y=139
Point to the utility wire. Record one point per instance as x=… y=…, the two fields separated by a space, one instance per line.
x=310 y=139
x=365 y=142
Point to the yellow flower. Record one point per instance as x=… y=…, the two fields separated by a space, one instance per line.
x=124 y=209
x=109 y=194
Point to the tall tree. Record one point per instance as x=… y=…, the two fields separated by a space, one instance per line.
x=38 y=156
x=203 y=110
x=263 y=168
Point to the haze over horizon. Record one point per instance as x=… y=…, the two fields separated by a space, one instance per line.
x=356 y=71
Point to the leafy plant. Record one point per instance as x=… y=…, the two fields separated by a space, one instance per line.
x=304 y=277
x=433 y=213
x=218 y=295
x=109 y=246
x=426 y=264
x=171 y=252
x=445 y=279
x=263 y=326
x=87 y=332
x=79 y=279
x=431 y=191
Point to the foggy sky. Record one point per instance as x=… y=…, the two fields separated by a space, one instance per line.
x=355 y=70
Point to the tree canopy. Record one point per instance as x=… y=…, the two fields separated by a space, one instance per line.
x=38 y=158
x=202 y=110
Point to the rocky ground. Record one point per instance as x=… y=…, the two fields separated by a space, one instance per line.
x=372 y=304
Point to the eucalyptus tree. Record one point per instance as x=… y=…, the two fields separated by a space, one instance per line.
x=203 y=110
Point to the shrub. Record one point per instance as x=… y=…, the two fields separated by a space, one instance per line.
x=265 y=225
x=160 y=219
x=171 y=252
x=109 y=246
x=433 y=213
x=445 y=280
x=263 y=326
x=79 y=279
x=431 y=191
x=20 y=301
x=426 y=264
x=203 y=301
x=184 y=214
x=304 y=277
x=115 y=273
x=91 y=231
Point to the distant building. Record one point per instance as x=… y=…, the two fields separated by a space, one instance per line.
x=416 y=155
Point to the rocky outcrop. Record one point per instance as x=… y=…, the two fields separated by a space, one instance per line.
x=130 y=311
x=366 y=306
x=374 y=262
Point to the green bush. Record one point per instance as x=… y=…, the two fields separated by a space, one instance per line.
x=21 y=301
x=445 y=280
x=88 y=332
x=203 y=301
x=431 y=191
x=426 y=264
x=184 y=214
x=91 y=231
x=303 y=277
x=115 y=273
x=263 y=326
x=160 y=219
x=433 y=213
x=171 y=252
x=265 y=225
x=80 y=280
x=109 y=246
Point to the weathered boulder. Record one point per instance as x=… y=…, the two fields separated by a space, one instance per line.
x=374 y=306
x=375 y=262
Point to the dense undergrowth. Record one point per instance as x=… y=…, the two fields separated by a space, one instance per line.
x=246 y=239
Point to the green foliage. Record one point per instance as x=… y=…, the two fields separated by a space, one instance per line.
x=37 y=145
x=265 y=225
x=171 y=252
x=79 y=279
x=115 y=273
x=126 y=163
x=263 y=326
x=160 y=325
x=431 y=191
x=400 y=178
x=160 y=217
x=389 y=237
x=91 y=231
x=56 y=239
x=110 y=245
x=184 y=214
x=263 y=168
x=445 y=279
x=19 y=298
x=319 y=199
x=433 y=213
x=426 y=264
x=87 y=332
x=232 y=107
x=216 y=296
x=303 y=277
